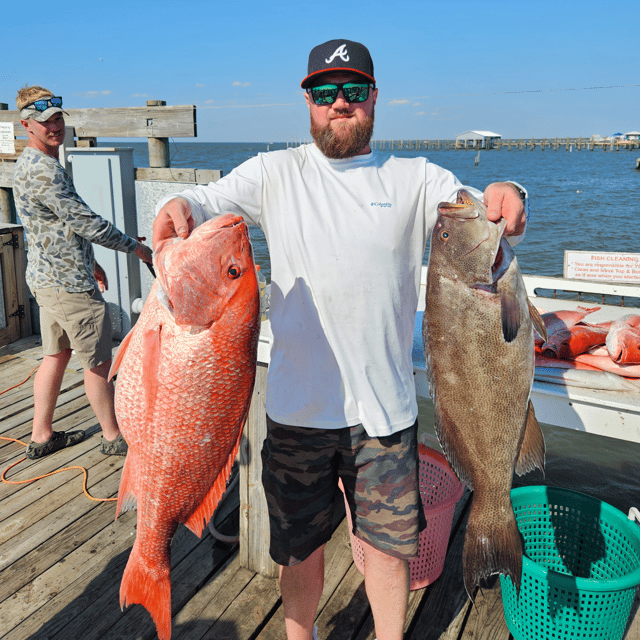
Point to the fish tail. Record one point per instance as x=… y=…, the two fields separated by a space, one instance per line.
x=148 y=584
x=491 y=546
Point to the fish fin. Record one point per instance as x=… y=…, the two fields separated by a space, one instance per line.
x=538 y=322
x=509 y=316
x=126 y=493
x=491 y=545
x=148 y=584
x=532 y=449
x=205 y=510
x=443 y=427
x=117 y=359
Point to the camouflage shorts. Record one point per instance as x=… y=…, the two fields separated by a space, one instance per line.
x=300 y=471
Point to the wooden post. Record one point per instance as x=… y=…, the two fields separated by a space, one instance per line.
x=158 y=147
x=7 y=206
x=254 y=517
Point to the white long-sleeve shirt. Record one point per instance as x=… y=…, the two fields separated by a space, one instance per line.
x=346 y=242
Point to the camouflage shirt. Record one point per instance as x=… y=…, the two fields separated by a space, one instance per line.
x=59 y=225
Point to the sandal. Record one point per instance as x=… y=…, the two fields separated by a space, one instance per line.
x=59 y=440
x=117 y=447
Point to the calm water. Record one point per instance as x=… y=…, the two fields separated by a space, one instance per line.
x=580 y=200
x=586 y=200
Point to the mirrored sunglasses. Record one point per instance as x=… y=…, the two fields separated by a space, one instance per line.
x=328 y=93
x=44 y=103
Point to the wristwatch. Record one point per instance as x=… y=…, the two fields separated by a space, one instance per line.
x=521 y=191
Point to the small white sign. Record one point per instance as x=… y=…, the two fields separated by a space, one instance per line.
x=7 y=138
x=603 y=266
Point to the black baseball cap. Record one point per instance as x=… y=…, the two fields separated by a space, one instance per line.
x=339 y=55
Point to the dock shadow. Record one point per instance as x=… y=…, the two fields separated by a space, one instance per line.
x=95 y=614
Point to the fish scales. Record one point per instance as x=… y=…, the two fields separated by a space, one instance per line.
x=479 y=348
x=182 y=396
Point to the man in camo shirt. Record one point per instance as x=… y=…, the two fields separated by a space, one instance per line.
x=64 y=277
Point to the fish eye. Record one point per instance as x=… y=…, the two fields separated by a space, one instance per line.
x=234 y=271
x=444 y=235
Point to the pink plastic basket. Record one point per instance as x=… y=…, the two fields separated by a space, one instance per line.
x=440 y=490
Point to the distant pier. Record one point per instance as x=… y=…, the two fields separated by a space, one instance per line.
x=521 y=144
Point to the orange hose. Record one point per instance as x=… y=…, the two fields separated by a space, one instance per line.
x=46 y=475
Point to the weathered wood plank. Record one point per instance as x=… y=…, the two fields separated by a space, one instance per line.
x=20 y=399
x=91 y=613
x=26 y=531
x=193 y=563
x=247 y=611
x=29 y=347
x=486 y=617
x=254 y=517
x=176 y=174
x=124 y=122
x=57 y=548
x=633 y=625
x=39 y=600
x=31 y=494
x=11 y=332
x=346 y=610
x=445 y=608
x=70 y=414
x=208 y=605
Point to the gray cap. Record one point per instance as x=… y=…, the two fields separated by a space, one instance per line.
x=40 y=116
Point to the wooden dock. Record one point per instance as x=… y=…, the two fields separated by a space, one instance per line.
x=62 y=554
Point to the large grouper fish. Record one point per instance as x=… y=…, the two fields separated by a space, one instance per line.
x=185 y=378
x=479 y=348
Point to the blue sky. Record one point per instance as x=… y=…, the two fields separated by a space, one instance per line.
x=540 y=69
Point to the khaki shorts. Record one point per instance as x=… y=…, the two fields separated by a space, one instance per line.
x=78 y=321
x=300 y=471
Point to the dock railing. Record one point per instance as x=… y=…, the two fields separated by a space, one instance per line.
x=156 y=122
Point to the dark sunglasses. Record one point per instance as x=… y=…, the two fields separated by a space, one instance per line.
x=44 y=103
x=328 y=93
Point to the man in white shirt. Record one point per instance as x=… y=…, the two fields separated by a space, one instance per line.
x=347 y=229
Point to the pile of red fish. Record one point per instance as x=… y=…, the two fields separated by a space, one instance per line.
x=612 y=346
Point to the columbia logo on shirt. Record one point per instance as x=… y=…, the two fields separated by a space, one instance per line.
x=380 y=204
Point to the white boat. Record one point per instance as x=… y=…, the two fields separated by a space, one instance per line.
x=615 y=414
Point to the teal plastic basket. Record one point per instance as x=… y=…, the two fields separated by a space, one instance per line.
x=580 y=571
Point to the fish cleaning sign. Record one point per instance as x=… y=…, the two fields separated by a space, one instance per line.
x=7 y=144
x=602 y=266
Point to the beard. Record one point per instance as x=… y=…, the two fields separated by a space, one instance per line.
x=348 y=142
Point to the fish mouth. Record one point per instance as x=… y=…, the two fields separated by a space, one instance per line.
x=459 y=212
x=229 y=221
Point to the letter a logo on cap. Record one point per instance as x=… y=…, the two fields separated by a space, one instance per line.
x=340 y=52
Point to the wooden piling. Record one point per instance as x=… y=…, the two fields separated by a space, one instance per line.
x=158 y=147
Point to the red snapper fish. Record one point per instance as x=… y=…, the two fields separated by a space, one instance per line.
x=185 y=378
x=623 y=340
x=580 y=338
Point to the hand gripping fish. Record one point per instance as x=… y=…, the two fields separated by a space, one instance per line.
x=479 y=349
x=185 y=378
